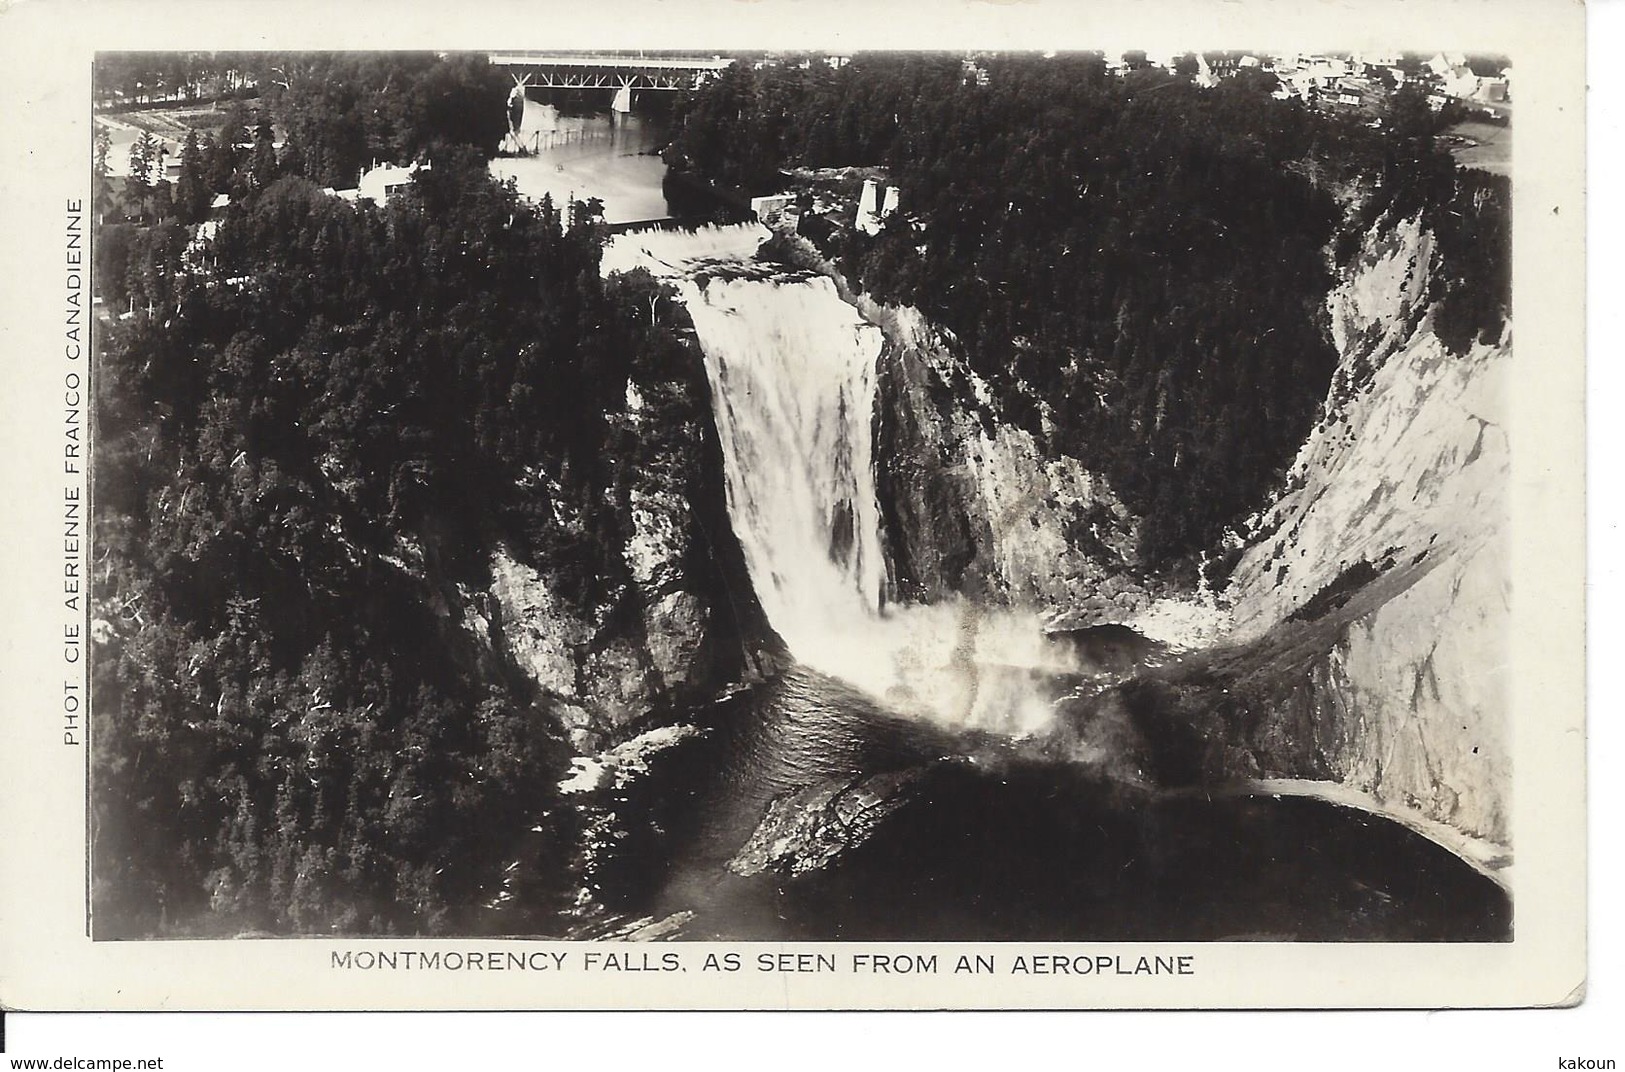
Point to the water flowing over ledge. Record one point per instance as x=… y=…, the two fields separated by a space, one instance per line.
x=792 y=368
x=780 y=342
x=672 y=254
x=1064 y=679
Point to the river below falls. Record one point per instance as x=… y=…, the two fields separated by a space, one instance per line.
x=998 y=842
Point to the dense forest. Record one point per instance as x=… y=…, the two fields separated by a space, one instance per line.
x=310 y=420
x=1138 y=263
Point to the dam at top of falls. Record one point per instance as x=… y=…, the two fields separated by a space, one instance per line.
x=673 y=254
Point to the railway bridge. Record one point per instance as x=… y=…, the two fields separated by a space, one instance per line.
x=610 y=70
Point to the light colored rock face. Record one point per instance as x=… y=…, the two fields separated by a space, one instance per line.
x=659 y=539
x=980 y=508
x=1410 y=453
x=615 y=682
x=602 y=678
x=665 y=631
x=1424 y=678
x=605 y=682
x=538 y=631
x=1417 y=461
x=1027 y=502
x=1409 y=465
x=1375 y=311
x=675 y=633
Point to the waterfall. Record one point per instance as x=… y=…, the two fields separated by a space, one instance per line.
x=793 y=381
x=792 y=369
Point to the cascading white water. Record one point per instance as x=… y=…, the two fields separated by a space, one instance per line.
x=792 y=369
x=673 y=254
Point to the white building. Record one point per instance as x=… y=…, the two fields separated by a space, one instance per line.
x=770 y=209
x=1443 y=63
x=385 y=181
x=1460 y=81
x=1204 y=73
x=1378 y=59
x=1332 y=67
x=197 y=255
x=869 y=207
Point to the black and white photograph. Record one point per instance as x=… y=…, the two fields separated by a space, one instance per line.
x=885 y=511
x=791 y=496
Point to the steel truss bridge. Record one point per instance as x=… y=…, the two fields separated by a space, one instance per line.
x=609 y=70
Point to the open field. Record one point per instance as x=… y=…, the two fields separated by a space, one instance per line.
x=169 y=125
x=1485 y=146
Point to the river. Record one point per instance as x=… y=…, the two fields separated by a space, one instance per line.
x=992 y=840
x=613 y=157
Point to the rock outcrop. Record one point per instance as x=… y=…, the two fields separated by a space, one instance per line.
x=683 y=623
x=805 y=830
x=976 y=506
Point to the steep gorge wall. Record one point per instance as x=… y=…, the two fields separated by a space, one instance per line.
x=1392 y=533
x=976 y=506
x=1360 y=639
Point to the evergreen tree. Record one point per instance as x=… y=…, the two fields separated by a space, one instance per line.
x=144 y=163
x=264 y=165
x=192 y=195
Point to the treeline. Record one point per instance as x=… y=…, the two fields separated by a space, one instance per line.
x=343 y=111
x=231 y=160
x=306 y=452
x=134 y=79
x=1137 y=265
x=323 y=117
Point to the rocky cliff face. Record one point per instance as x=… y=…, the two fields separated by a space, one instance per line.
x=976 y=506
x=1358 y=649
x=1393 y=529
x=970 y=504
x=1358 y=645
x=683 y=624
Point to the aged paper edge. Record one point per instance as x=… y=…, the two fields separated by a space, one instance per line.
x=47 y=962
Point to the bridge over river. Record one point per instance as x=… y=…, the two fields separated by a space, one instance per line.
x=611 y=70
